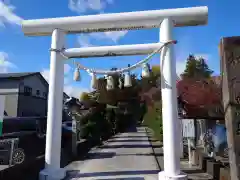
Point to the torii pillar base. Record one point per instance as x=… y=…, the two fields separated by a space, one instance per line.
x=59 y=174
x=164 y=176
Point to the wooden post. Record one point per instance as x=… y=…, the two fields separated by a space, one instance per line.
x=2 y=106
x=189 y=133
x=74 y=137
x=230 y=71
x=189 y=152
x=181 y=139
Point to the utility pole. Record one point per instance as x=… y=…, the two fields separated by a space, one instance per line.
x=230 y=72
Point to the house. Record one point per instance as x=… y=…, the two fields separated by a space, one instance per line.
x=28 y=93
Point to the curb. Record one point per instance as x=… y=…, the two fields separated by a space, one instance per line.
x=158 y=164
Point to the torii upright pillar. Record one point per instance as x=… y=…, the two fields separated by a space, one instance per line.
x=171 y=144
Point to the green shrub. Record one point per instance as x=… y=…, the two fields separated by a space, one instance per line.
x=101 y=122
x=153 y=119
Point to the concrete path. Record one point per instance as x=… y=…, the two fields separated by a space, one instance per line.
x=127 y=156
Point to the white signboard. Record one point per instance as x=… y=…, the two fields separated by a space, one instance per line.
x=188 y=128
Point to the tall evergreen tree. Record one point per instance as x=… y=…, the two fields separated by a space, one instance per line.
x=191 y=67
x=203 y=68
x=196 y=68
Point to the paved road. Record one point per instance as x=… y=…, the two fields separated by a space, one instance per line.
x=127 y=156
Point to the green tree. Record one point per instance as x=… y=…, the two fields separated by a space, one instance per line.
x=84 y=96
x=117 y=94
x=153 y=119
x=196 y=68
x=203 y=68
x=191 y=67
x=155 y=70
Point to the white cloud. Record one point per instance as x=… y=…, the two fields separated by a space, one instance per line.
x=5 y=64
x=180 y=67
x=96 y=4
x=46 y=73
x=68 y=88
x=84 y=41
x=67 y=68
x=115 y=35
x=7 y=15
x=74 y=91
x=204 y=56
x=112 y=35
x=80 y=6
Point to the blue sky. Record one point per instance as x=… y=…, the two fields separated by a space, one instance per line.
x=28 y=54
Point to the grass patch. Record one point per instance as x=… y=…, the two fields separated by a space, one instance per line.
x=153 y=119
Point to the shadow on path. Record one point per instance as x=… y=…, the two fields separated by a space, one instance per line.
x=141 y=136
x=104 y=155
x=141 y=154
x=125 y=178
x=78 y=174
x=131 y=140
x=193 y=171
x=129 y=146
x=100 y=155
x=133 y=129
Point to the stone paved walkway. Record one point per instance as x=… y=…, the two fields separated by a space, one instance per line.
x=126 y=156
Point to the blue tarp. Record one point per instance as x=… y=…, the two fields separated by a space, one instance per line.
x=220 y=137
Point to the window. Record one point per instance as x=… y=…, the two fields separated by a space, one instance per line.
x=27 y=91
x=38 y=92
x=44 y=94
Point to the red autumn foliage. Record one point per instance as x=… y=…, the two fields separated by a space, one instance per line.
x=199 y=92
x=200 y=95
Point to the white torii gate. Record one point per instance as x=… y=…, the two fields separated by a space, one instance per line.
x=163 y=19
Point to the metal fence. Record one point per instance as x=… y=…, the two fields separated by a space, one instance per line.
x=218 y=134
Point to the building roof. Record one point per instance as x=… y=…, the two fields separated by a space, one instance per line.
x=21 y=75
x=17 y=75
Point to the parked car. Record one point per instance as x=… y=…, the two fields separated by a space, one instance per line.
x=30 y=135
x=10 y=153
x=29 y=141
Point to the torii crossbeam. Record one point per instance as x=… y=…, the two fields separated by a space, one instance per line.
x=163 y=19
